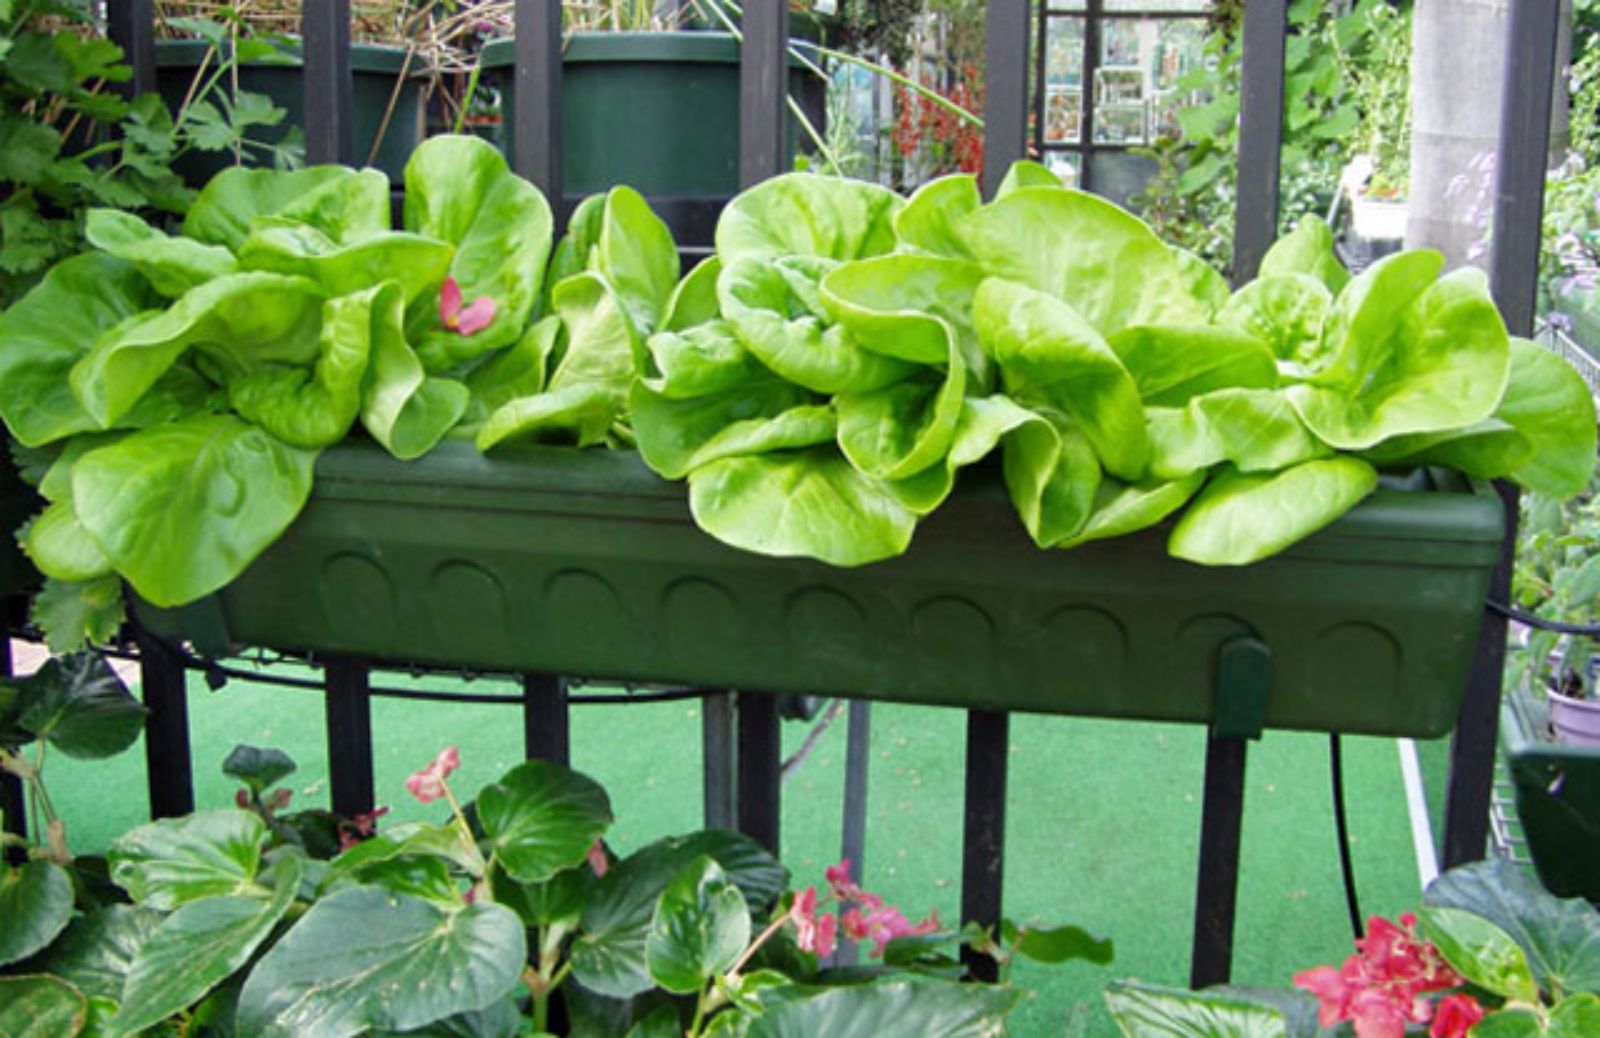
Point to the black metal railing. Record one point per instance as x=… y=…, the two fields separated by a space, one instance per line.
x=742 y=748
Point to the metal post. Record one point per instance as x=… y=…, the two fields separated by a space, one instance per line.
x=1513 y=272
x=328 y=90
x=546 y=728
x=1005 y=85
x=763 y=61
x=1260 y=134
x=131 y=25
x=1244 y=677
x=853 y=844
x=717 y=733
x=760 y=764
x=536 y=88
x=11 y=792
x=166 y=728
x=984 y=826
x=349 y=720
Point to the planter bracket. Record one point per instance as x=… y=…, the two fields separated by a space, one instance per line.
x=1244 y=673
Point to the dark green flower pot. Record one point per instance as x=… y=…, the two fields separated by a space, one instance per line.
x=375 y=73
x=585 y=563
x=1558 y=797
x=658 y=111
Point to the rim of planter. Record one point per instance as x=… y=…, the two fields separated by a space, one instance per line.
x=705 y=47
x=1531 y=729
x=364 y=57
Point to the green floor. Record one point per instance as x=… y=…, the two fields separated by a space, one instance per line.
x=1102 y=826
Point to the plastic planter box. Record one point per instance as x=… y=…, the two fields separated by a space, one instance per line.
x=374 y=72
x=1558 y=798
x=587 y=564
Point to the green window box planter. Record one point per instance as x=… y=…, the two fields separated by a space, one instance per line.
x=374 y=72
x=586 y=563
x=658 y=111
x=1557 y=789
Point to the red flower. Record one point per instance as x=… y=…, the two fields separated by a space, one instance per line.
x=1381 y=988
x=1455 y=1016
x=469 y=320
x=427 y=785
x=597 y=859
x=814 y=933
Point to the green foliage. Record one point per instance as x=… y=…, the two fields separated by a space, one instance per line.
x=421 y=931
x=1346 y=89
x=70 y=141
x=1557 y=577
x=1528 y=959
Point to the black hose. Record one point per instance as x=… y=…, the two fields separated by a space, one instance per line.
x=1341 y=824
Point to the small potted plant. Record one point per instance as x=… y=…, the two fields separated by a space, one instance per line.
x=1378 y=175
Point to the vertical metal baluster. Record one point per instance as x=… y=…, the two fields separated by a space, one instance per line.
x=328 y=104
x=169 y=766
x=11 y=792
x=853 y=845
x=718 y=754
x=130 y=24
x=546 y=719
x=1266 y=23
x=349 y=720
x=1513 y=274
x=536 y=87
x=760 y=767
x=1005 y=141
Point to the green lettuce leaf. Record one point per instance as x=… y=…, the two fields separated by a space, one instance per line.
x=927 y=224
x=1202 y=280
x=1048 y=353
x=404 y=408
x=1173 y=363
x=802 y=214
x=1103 y=262
x=417 y=264
x=1255 y=429
x=1026 y=173
x=1239 y=519
x=342 y=203
x=1124 y=508
x=910 y=307
x=898 y=431
x=180 y=510
x=459 y=190
x=172 y=265
x=637 y=257
x=1308 y=249
x=1053 y=476
x=676 y=435
x=1286 y=312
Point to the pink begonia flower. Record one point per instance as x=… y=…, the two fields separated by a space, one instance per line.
x=427 y=785
x=814 y=933
x=1455 y=1016
x=469 y=320
x=352 y=831
x=241 y=797
x=1381 y=988
x=598 y=860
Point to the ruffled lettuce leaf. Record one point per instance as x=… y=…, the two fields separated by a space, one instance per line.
x=171 y=265
x=344 y=204
x=1242 y=518
x=803 y=214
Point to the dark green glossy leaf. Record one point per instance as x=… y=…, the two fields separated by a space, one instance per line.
x=97 y=950
x=1145 y=1011
x=928 y=1010
x=542 y=818
x=35 y=906
x=199 y=946
x=366 y=958
x=80 y=705
x=1063 y=944
x=700 y=927
x=41 y=1007
x=169 y=863
x=258 y=768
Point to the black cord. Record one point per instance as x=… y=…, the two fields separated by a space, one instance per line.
x=1341 y=824
x=1539 y=622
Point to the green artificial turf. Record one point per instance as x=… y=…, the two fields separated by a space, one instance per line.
x=1102 y=824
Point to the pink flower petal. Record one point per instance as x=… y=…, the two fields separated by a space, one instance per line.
x=476 y=317
x=449 y=302
x=597 y=859
x=427 y=785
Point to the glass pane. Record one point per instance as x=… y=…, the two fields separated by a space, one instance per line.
x=1064 y=164
x=1173 y=6
x=1063 y=81
x=1066 y=5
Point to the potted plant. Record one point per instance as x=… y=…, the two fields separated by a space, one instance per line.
x=646 y=103
x=1547 y=729
x=206 y=59
x=1377 y=175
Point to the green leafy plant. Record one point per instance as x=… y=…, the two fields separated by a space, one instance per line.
x=1381 y=92
x=57 y=159
x=820 y=382
x=1491 y=953
x=1557 y=578
x=502 y=919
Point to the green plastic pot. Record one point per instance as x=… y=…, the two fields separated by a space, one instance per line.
x=375 y=71
x=1557 y=789
x=585 y=563
x=658 y=111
